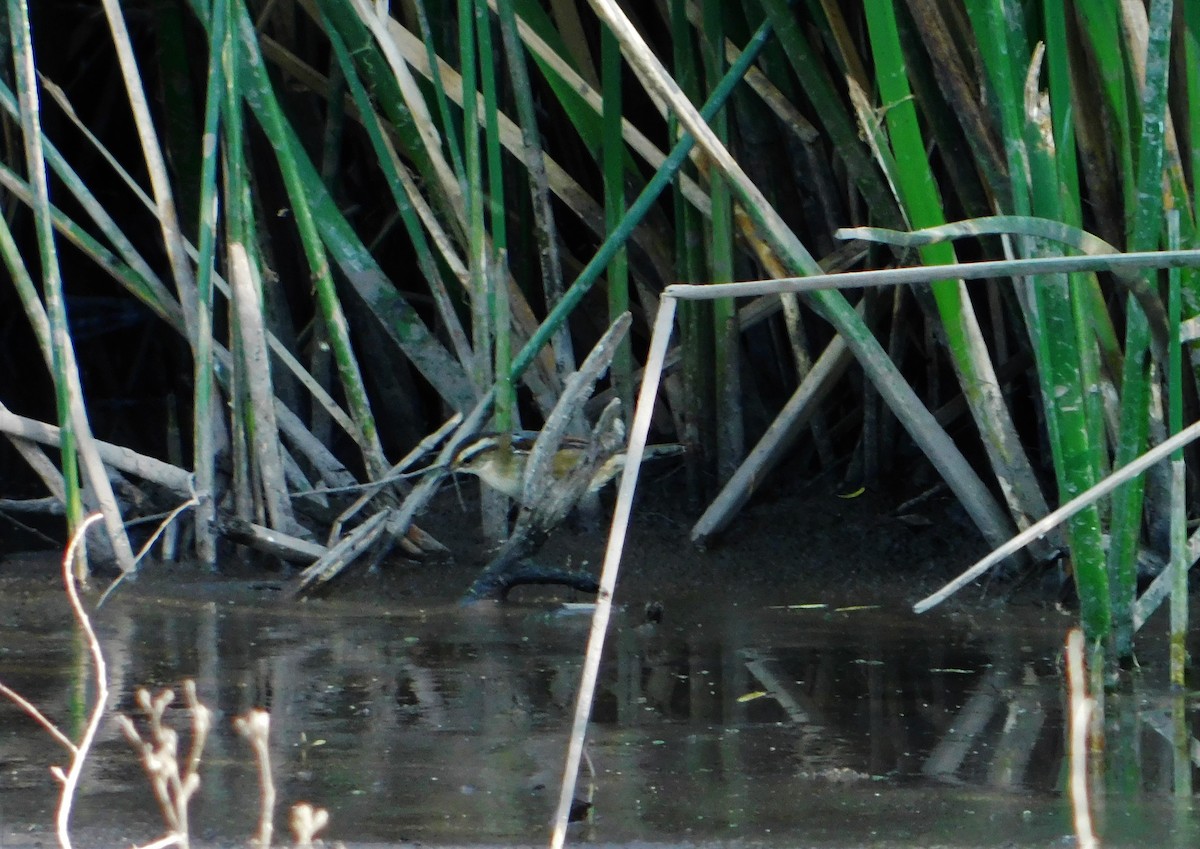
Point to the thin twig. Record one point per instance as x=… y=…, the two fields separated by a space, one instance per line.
x=39 y=717
x=145 y=549
x=931 y=273
x=70 y=780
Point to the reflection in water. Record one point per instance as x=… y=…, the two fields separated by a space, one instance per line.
x=449 y=724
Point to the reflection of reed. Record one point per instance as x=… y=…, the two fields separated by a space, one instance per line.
x=818 y=751
x=445 y=726
x=1161 y=722
x=888 y=709
x=963 y=736
x=1023 y=723
x=758 y=666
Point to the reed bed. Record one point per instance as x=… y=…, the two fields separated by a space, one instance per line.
x=337 y=224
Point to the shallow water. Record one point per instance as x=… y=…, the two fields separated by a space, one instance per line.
x=753 y=721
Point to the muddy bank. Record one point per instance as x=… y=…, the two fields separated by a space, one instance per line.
x=849 y=548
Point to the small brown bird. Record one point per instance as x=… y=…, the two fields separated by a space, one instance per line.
x=500 y=462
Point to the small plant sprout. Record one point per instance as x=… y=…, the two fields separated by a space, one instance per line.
x=173 y=787
x=174 y=784
x=306 y=822
x=255 y=726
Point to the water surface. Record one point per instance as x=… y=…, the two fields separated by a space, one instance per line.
x=741 y=720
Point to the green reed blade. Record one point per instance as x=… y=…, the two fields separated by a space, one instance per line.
x=1189 y=39
x=585 y=120
x=389 y=164
x=1191 y=65
x=145 y=283
x=1179 y=561
x=1145 y=234
x=993 y=38
x=546 y=230
x=1050 y=310
x=306 y=211
x=1060 y=376
x=1090 y=315
x=640 y=207
x=60 y=332
x=1101 y=29
x=77 y=447
x=382 y=82
x=448 y=127
x=1086 y=458
x=497 y=269
x=478 y=264
x=920 y=202
x=695 y=319
x=398 y=318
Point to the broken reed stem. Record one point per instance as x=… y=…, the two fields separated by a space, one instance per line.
x=1076 y=504
x=652 y=375
x=255 y=726
x=1080 y=722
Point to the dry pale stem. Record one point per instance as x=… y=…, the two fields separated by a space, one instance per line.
x=1081 y=720
x=38 y=717
x=255 y=726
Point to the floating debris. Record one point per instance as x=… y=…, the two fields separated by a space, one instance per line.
x=749 y=697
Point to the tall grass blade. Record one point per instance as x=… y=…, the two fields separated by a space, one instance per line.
x=396 y=316
x=496 y=236
x=922 y=206
x=832 y=114
x=75 y=433
x=1146 y=226
x=533 y=155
